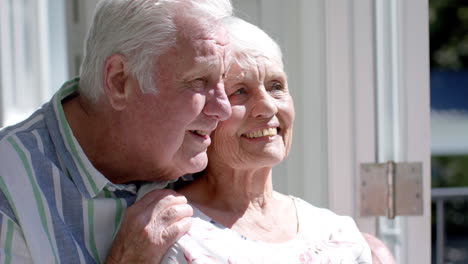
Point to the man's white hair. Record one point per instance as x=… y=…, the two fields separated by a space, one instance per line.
x=248 y=42
x=141 y=31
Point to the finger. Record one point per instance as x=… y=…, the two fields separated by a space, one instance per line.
x=173 y=214
x=165 y=203
x=152 y=207
x=163 y=198
x=173 y=232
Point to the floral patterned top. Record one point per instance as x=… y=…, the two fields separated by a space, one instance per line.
x=323 y=238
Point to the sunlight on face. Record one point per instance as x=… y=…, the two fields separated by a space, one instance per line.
x=171 y=128
x=259 y=131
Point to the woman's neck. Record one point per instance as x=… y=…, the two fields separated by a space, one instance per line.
x=234 y=190
x=244 y=201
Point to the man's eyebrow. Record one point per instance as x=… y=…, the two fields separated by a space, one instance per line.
x=202 y=68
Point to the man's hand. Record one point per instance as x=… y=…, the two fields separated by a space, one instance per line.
x=150 y=227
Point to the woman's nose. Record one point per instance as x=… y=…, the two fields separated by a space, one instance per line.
x=264 y=105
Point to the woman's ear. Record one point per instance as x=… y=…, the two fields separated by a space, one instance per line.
x=116 y=79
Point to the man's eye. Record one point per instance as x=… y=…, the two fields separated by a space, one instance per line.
x=198 y=84
x=240 y=91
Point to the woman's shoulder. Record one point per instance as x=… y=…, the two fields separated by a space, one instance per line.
x=313 y=219
x=306 y=209
x=337 y=234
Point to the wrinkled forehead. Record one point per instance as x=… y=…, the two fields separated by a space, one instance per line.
x=205 y=38
x=196 y=28
x=201 y=50
x=206 y=50
x=243 y=67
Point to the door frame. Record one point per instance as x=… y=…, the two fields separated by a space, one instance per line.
x=352 y=110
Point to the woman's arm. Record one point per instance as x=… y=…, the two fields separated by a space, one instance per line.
x=380 y=252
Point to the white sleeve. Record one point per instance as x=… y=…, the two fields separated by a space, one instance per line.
x=348 y=232
x=174 y=255
x=335 y=231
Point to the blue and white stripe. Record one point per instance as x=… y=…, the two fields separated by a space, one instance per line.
x=55 y=207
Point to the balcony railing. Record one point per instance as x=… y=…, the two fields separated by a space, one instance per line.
x=439 y=196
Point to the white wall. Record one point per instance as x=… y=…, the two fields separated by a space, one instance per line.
x=32 y=55
x=80 y=14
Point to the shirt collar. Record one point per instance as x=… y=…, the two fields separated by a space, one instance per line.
x=87 y=178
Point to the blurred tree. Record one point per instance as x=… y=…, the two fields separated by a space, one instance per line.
x=448 y=20
x=449 y=171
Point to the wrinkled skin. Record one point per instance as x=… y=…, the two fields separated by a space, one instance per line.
x=150 y=227
x=260 y=99
x=165 y=140
x=161 y=136
x=236 y=189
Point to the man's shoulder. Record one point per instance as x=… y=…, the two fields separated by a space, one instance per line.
x=35 y=122
x=24 y=141
x=44 y=122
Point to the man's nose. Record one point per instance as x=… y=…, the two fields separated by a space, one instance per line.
x=217 y=103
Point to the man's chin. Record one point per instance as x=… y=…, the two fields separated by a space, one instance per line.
x=197 y=163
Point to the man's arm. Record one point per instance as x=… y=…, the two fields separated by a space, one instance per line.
x=150 y=227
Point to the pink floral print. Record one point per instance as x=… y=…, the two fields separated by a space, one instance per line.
x=323 y=238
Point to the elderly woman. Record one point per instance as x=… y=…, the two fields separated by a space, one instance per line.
x=238 y=217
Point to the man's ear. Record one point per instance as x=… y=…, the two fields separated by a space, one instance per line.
x=117 y=80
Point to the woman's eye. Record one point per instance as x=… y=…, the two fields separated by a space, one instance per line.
x=276 y=86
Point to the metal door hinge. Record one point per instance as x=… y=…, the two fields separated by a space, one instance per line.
x=391 y=189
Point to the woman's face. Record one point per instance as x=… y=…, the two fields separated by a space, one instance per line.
x=259 y=132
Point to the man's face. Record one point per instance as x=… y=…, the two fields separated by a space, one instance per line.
x=171 y=128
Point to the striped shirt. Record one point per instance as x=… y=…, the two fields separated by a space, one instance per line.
x=55 y=207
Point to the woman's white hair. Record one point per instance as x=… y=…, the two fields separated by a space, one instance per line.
x=248 y=42
x=141 y=31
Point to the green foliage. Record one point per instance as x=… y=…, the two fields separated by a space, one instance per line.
x=449 y=171
x=448 y=20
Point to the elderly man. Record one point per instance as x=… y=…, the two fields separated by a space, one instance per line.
x=150 y=92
